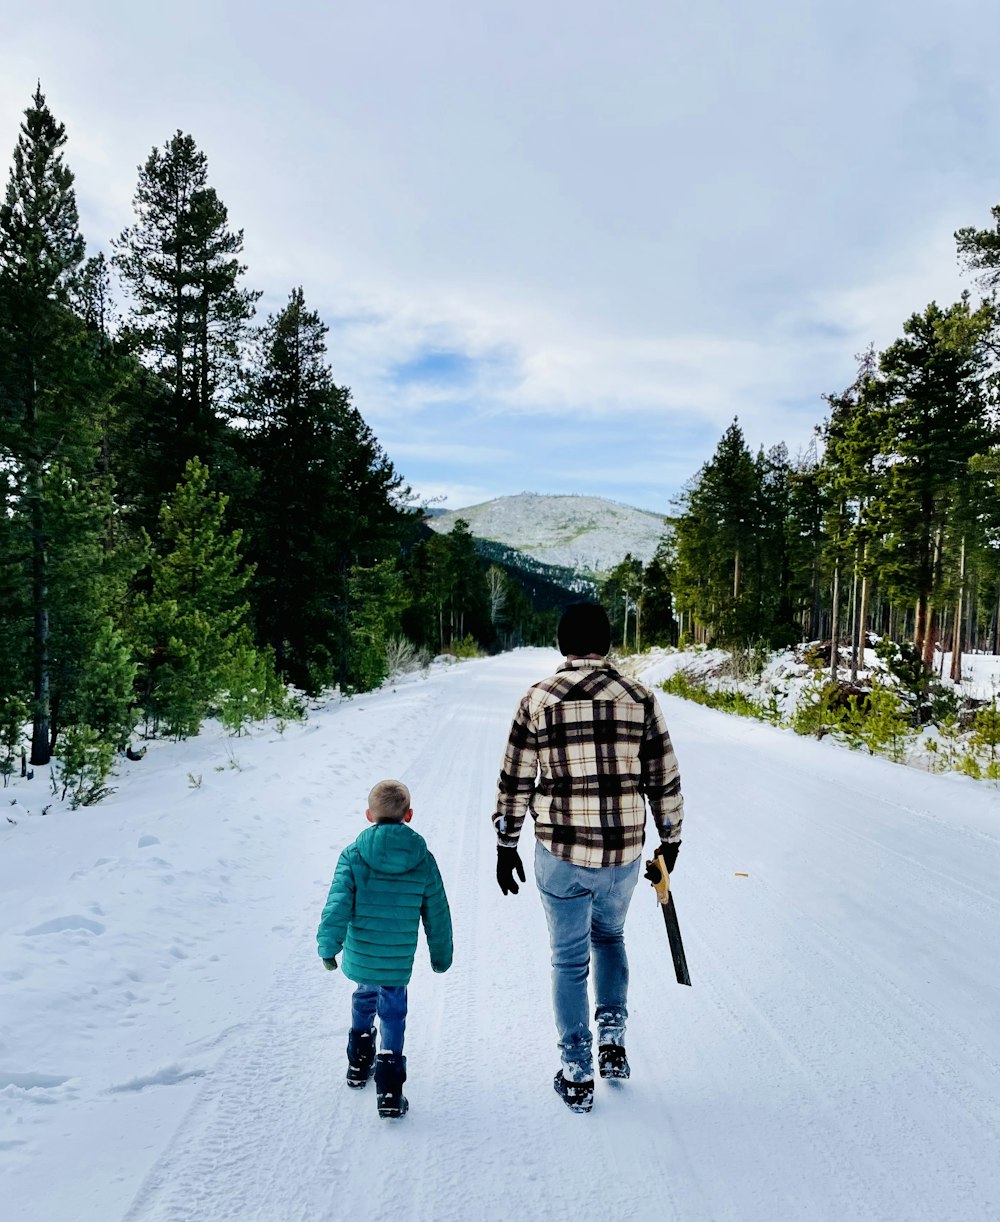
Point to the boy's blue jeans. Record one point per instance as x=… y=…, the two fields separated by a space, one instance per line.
x=390 y=1006
x=586 y=909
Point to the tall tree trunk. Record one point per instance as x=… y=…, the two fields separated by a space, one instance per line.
x=863 y=614
x=834 y=621
x=932 y=631
x=920 y=624
x=996 y=623
x=736 y=575
x=854 y=621
x=932 y=626
x=41 y=751
x=956 y=634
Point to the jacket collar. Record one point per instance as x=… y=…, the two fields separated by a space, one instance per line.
x=585 y=664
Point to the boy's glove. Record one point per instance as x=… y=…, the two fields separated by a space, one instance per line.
x=508 y=860
x=330 y=964
x=669 y=854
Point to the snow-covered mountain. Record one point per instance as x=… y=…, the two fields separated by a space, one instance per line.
x=585 y=533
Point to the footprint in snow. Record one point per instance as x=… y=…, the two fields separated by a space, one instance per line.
x=170 y=1075
x=65 y=923
x=30 y=1081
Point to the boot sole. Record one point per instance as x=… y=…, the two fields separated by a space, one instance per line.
x=394 y=1113
x=584 y=1104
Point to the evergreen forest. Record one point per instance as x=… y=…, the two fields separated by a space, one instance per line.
x=196 y=518
x=887 y=524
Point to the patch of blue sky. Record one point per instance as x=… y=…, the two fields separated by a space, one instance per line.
x=438 y=367
x=454 y=369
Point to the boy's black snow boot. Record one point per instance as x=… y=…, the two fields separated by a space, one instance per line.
x=390 y=1074
x=612 y=1061
x=360 y=1057
x=578 y=1096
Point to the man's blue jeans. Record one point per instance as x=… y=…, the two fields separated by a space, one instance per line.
x=586 y=909
x=389 y=1004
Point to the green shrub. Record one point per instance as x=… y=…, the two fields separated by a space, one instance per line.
x=85 y=763
x=970 y=766
x=986 y=731
x=819 y=709
x=879 y=722
x=724 y=700
x=248 y=679
x=465 y=648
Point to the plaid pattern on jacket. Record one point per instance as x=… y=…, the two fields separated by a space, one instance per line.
x=587 y=745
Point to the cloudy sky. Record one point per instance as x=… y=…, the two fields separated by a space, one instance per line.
x=559 y=243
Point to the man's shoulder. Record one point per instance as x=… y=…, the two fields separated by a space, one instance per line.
x=607 y=682
x=633 y=689
x=603 y=682
x=552 y=687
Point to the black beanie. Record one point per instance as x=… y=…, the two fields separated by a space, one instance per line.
x=584 y=628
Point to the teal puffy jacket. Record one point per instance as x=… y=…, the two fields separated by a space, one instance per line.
x=385 y=884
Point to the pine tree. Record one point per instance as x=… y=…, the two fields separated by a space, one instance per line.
x=856 y=440
x=656 y=613
x=804 y=539
x=933 y=380
x=322 y=498
x=48 y=385
x=375 y=598
x=88 y=581
x=105 y=700
x=621 y=594
x=194 y=617
x=180 y=264
x=715 y=541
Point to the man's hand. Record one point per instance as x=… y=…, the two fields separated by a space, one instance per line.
x=508 y=860
x=668 y=852
x=330 y=964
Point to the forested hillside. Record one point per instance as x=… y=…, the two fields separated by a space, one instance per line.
x=889 y=522
x=196 y=517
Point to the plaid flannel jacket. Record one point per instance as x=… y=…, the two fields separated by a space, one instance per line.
x=585 y=748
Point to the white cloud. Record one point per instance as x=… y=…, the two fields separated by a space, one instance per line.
x=654 y=217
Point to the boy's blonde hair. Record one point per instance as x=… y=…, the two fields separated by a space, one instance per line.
x=389 y=801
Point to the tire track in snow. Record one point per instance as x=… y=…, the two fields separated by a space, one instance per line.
x=775 y=1089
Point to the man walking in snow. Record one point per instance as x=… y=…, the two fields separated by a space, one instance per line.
x=587 y=747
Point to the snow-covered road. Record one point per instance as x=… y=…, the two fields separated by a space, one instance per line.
x=171 y=1049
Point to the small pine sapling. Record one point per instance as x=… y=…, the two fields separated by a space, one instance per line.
x=85 y=762
x=817 y=711
x=14 y=714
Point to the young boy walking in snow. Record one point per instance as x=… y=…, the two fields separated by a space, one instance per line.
x=385 y=884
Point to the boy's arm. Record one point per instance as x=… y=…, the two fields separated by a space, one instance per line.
x=517 y=778
x=338 y=910
x=436 y=916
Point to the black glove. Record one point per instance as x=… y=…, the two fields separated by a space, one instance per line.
x=669 y=854
x=508 y=860
x=330 y=964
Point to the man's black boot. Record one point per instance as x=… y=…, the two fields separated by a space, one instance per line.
x=612 y=1061
x=390 y=1074
x=578 y=1096
x=360 y=1057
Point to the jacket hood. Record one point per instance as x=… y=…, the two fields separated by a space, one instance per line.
x=391 y=848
